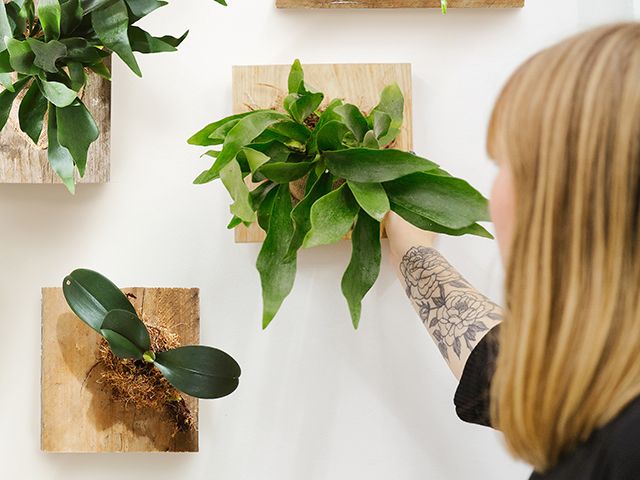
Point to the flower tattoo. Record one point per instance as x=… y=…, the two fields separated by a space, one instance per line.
x=449 y=307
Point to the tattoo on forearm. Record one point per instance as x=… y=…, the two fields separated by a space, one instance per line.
x=453 y=312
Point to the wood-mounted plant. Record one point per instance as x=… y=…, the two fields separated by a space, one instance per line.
x=47 y=47
x=322 y=168
x=143 y=364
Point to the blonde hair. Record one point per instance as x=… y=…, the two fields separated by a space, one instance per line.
x=567 y=125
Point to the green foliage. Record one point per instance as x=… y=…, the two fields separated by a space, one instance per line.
x=351 y=176
x=49 y=51
x=196 y=370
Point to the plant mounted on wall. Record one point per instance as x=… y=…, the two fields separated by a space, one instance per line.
x=321 y=169
x=47 y=48
x=144 y=364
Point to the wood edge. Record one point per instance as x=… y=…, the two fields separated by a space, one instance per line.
x=291 y=5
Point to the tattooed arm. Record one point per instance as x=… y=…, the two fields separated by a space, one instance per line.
x=455 y=314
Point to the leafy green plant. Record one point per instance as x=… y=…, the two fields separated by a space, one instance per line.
x=196 y=370
x=443 y=6
x=47 y=51
x=344 y=173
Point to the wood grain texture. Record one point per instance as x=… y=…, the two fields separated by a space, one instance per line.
x=360 y=84
x=78 y=414
x=23 y=162
x=398 y=3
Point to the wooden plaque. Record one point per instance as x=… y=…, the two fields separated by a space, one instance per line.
x=360 y=84
x=398 y=3
x=23 y=162
x=78 y=413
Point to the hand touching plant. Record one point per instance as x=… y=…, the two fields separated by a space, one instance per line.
x=345 y=175
x=199 y=371
x=47 y=51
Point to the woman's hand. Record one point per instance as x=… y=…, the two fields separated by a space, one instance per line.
x=402 y=236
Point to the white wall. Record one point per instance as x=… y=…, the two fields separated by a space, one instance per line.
x=317 y=400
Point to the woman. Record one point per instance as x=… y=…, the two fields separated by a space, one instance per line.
x=560 y=376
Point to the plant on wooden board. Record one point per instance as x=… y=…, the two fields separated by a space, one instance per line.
x=145 y=365
x=340 y=166
x=46 y=49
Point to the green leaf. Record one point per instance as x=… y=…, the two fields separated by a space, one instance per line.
x=353 y=118
x=207 y=136
x=391 y=103
x=255 y=158
x=91 y=295
x=296 y=78
x=371 y=197
x=21 y=57
x=450 y=202
x=77 y=130
x=6 y=81
x=49 y=13
x=5 y=28
x=291 y=130
x=364 y=267
x=70 y=16
x=143 y=42
x=330 y=136
x=7 y=97
x=234 y=222
x=58 y=93
x=277 y=274
x=281 y=172
x=111 y=23
x=142 y=8
x=77 y=75
x=31 y=112
x=368 y=165
x=101 y=69
x=370 y=141
x=262 y=199
x=426 y=224
x=241 y=135
x=199 y=371
x=79 y=50
x=381 y=124
x=331 y=217
x=126 y=334
x=47 y=54
x=59 y=157
x=301 y=214
x=5 y=62
x=301 y=105
x=231 y=176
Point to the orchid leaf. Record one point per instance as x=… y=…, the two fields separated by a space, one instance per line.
x=199 y=371
x=91 y=295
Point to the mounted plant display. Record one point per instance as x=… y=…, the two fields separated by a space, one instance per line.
x=145 y=365
x=47 y=48
x=321 y=168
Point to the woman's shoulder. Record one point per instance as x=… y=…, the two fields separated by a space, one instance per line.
x=620 y=441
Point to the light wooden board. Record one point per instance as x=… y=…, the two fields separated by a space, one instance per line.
x=398 y=3
x=23 y=162
x=78 y=414
x=360 y=84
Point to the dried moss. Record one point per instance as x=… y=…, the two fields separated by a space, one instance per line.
x=140 y=384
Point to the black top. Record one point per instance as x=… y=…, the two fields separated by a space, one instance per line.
x=612 y=452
